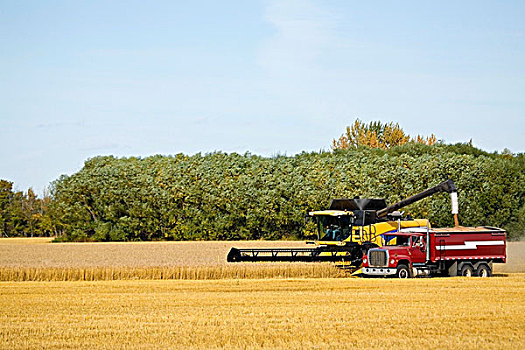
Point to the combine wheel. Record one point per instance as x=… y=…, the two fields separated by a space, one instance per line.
x=403 y=271
x=466 y=271
x=483 y=270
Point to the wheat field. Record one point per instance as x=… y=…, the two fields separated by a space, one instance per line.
x=170 y=295
x=36 y=259
x=440 y=313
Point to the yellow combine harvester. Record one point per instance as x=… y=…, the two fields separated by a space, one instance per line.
x=348 y=229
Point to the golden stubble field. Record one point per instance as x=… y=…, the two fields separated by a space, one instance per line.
x=183 y=295
x=439 y=313
x=39 y=252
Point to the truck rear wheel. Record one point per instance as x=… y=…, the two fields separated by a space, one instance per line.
x=483 y=270
x=466 y=271
x=403 y=271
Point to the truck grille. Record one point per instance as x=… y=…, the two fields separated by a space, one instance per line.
x=377 y=258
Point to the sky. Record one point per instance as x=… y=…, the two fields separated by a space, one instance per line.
x=80 y=79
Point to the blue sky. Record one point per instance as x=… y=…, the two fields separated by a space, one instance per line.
x=85 y=78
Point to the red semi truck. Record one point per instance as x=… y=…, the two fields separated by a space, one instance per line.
x=457 y=251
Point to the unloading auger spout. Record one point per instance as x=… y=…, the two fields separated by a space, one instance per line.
x=446 y=186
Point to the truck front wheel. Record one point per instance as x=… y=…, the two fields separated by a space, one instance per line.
x=483 y=270
x=403 y=271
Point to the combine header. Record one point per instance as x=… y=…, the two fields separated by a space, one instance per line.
x=349 y=229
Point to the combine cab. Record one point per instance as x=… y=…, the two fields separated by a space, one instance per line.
x=348 y=229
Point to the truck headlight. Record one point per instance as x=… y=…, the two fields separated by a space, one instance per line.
x=392 y=261
x=364 y=260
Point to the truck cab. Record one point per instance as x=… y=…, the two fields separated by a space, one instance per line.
x=400 y=253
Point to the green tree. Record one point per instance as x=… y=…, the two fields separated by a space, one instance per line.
x=6 y=193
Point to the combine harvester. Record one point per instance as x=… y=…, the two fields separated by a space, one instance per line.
x=352 y=229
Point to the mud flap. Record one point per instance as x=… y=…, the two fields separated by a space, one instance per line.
x=453 y=269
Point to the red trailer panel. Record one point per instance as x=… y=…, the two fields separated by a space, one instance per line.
x=468 y=243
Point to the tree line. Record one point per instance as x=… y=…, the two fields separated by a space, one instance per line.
x=219 y=196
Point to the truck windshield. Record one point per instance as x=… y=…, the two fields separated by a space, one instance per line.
x=391 y=240
x=334 y=228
